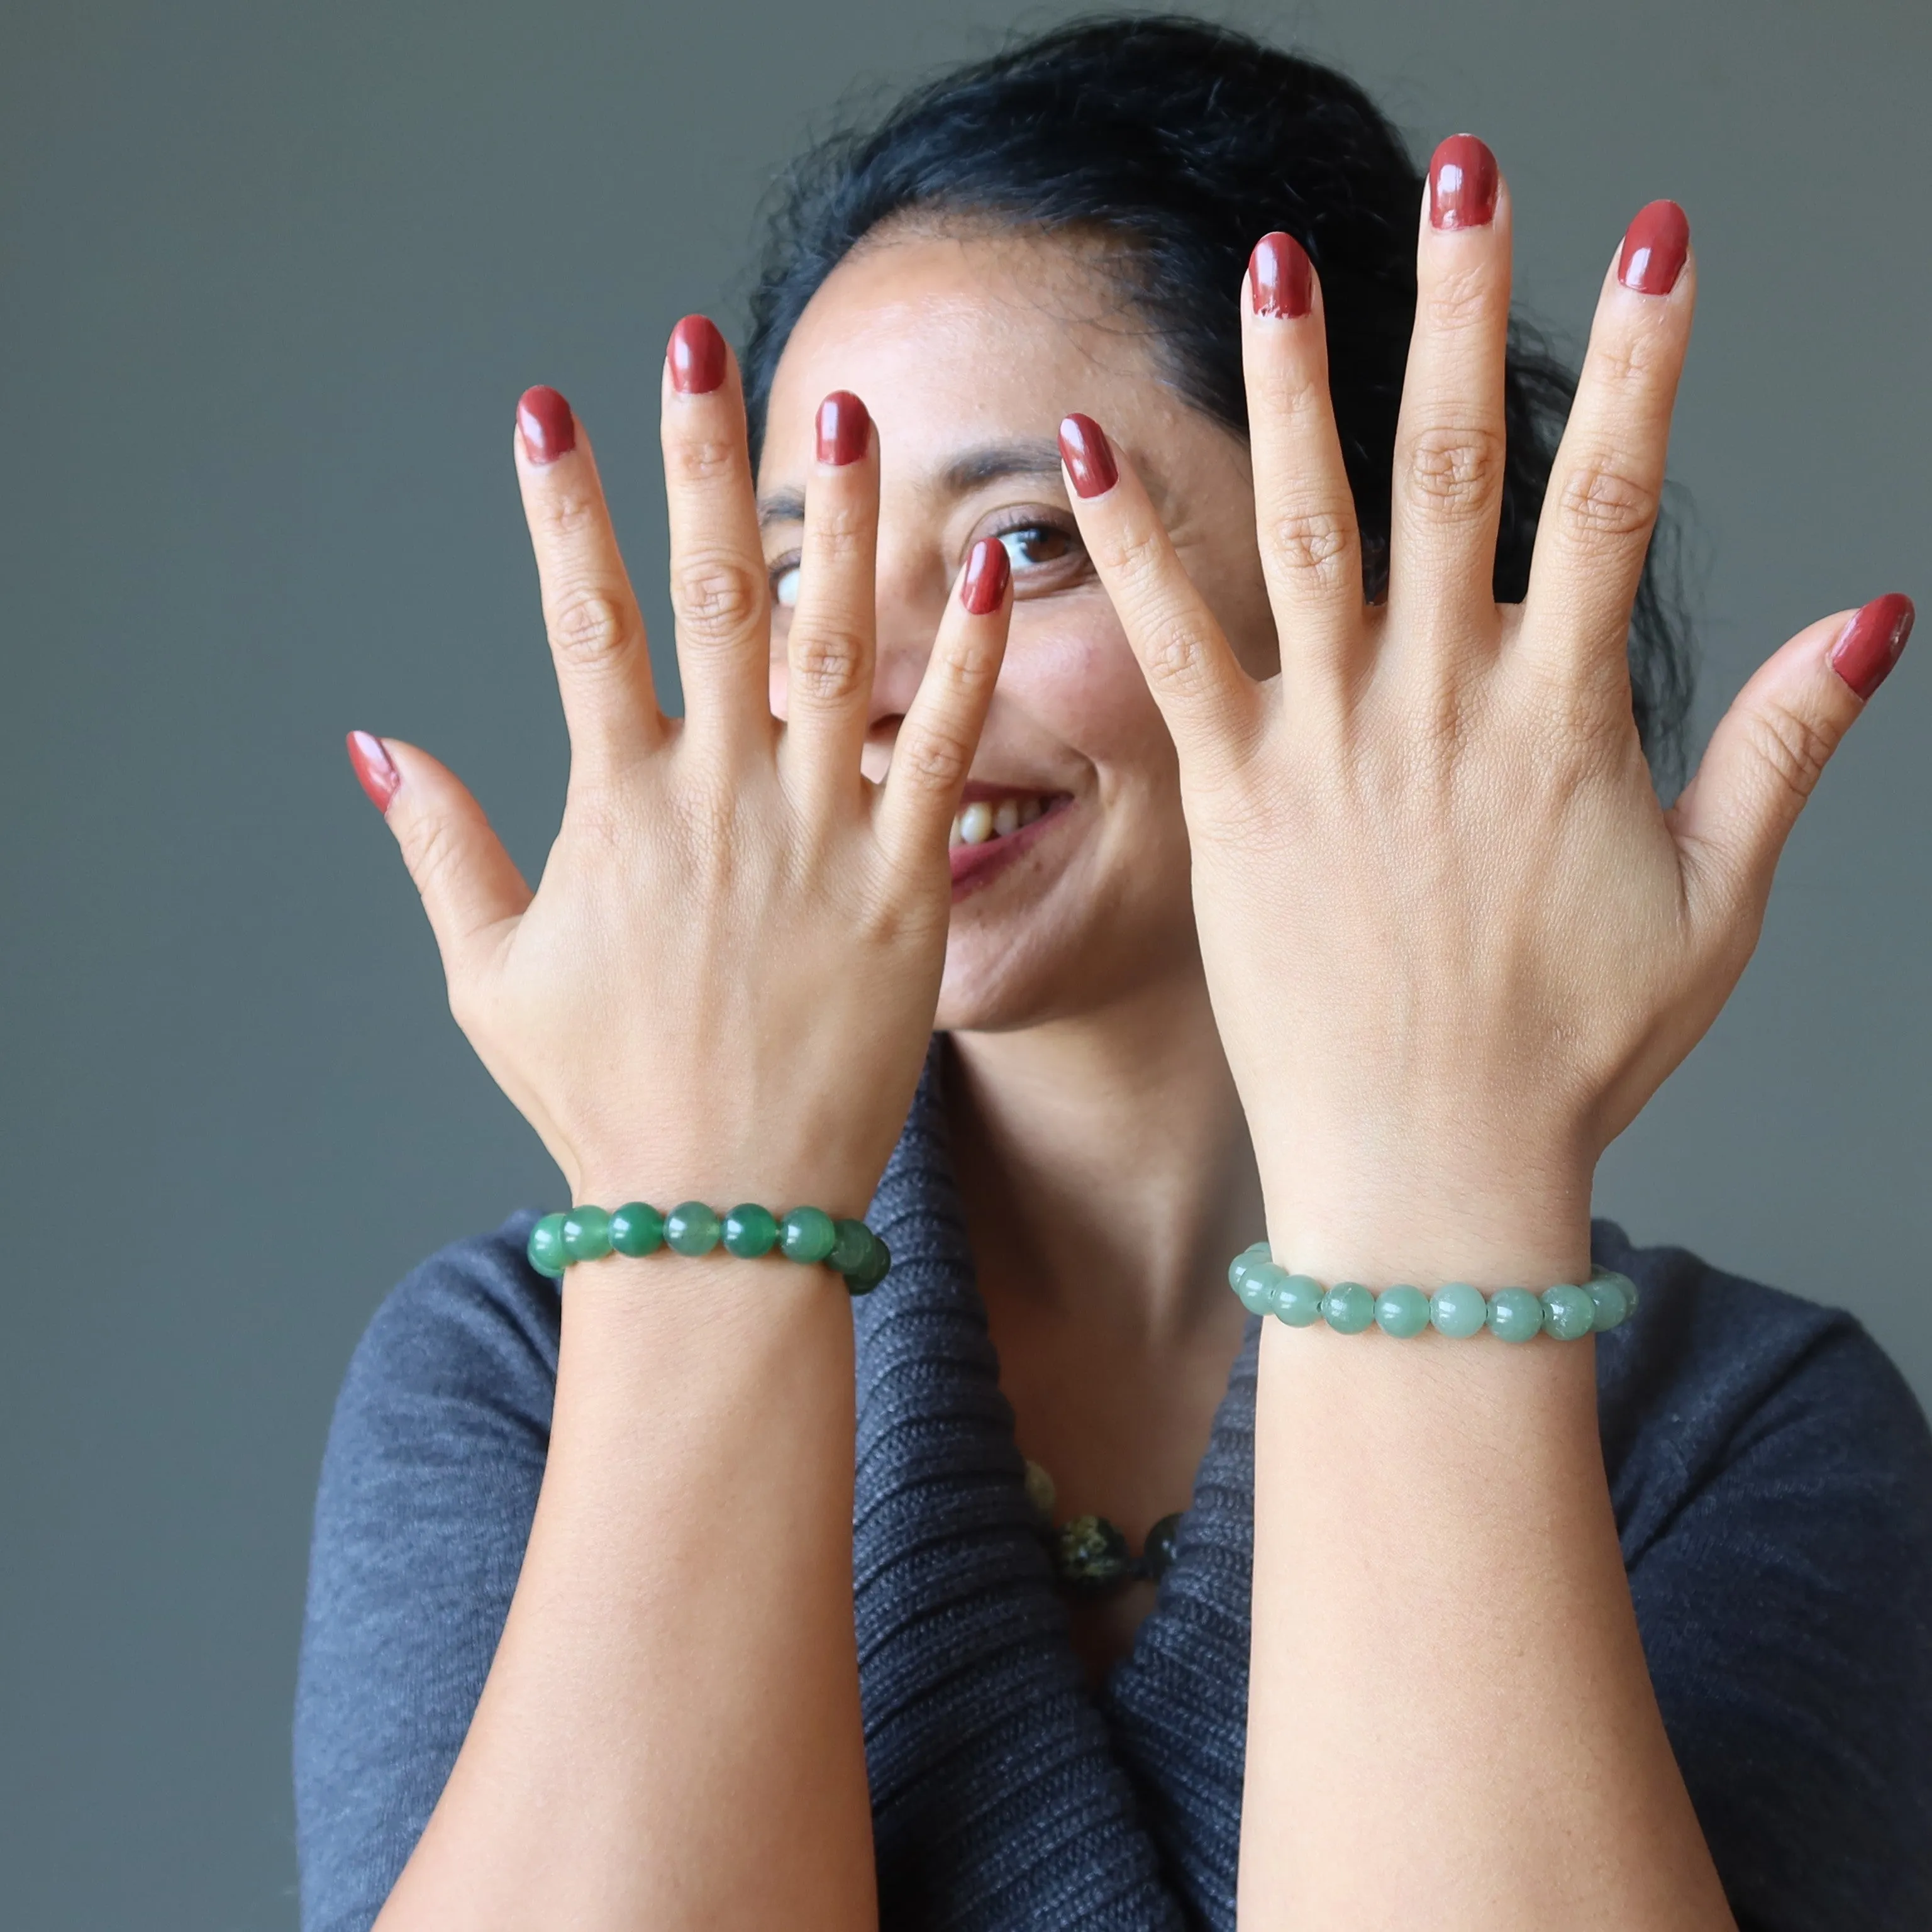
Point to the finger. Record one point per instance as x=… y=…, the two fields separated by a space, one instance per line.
x=1601 y=504
x=470 y=886
x=718 y=593
x=1450 y=442
x=829 y=652
x=940 y=730
x=1304 y=509
x=1211 y=706
x=590 y=612
x=1768 y=750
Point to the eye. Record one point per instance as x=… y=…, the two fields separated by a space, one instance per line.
x=784 y=581
x=1033 y=545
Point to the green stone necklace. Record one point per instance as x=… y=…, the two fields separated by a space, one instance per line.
x=1091 y=1557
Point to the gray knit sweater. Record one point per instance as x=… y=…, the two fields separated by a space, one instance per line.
x=1771 y=1474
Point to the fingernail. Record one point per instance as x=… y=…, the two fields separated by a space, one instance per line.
x=548 y=428
x=985 y=583
x=696 y=356
x=1654 y=246
x=1083 y=449
x=1462 y=184
x=374 y=768
x=844 y=428
x=1281 y=283
x=1873 y=642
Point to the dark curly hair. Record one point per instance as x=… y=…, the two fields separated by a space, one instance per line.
x=1179 y=144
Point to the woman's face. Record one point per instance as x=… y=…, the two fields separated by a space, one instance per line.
x=1070 y=867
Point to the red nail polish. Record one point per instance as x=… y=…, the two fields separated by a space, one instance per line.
x=548 y=428
x=1089 y=462
x=1654 y=246
x=985 y=583
x=1873 y=642
x=696 y=356
x=374 y=767
x=1462 y=184
x=1281 y=283
x=845 y=429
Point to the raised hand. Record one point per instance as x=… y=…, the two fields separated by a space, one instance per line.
x=724 y=984
x=1453 y=938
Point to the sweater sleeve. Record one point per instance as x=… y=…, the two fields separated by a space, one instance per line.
x=429 y=1483
x=1777 y=1511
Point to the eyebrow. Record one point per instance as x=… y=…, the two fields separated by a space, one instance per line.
x=974 y=469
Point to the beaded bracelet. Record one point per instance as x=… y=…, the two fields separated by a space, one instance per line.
x=807 y=1235
x=1569 y=1311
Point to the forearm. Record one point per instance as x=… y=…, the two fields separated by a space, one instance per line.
x=1450 y=1722
x=669 y=1734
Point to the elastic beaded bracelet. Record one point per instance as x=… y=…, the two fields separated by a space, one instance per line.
x=1568 y=1312
x=807 y=1235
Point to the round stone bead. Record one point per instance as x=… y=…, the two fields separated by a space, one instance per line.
x=1401 y=1312
x=1609 y=1301
x=1458 y=1310
x=1515 y=1314
x=691 y=1228
x=636 y=1229
x=1238 y=1267
x=1090 y=1554
x=854 y=1244
x=750 y=1231
x=1348 y=1308
x=871 y=1271
x=1297 y=1301
x=1259 y=1286
x=546 y=1247
x=807 y=1234
x=1040 y=1492
x=1157 y=1559
x=1568 y=1312
x=586 y=1233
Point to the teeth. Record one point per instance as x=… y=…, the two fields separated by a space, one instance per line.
x=983 y=820
x=1005 y=818
x=975 y=824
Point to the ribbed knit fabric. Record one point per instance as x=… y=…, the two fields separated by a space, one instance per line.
x=1771 y=1476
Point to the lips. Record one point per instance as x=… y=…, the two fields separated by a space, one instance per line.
x=993 y=827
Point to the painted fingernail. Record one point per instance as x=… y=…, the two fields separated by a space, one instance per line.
x=1462 y=184
x=1654 y=246
x=1281 y=283
x=696 y=356
x=844 y=428
x=547 y=425
x=985 y=583
x=374 y=767
x=1873 y=642
x=1089 y=462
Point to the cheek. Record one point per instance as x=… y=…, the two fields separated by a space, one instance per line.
x=1071 y=671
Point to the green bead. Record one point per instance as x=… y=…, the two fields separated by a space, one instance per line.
x=1238 y=1267
x=1348 y=1308
x=636 y=1229
x=546 y=1248
x=750 y=1231
x=586 y=1233
x=871 y=1271
x=1515 y=1314
x=1157 y=1558
x=1259 y=1286
x=691 y=1228
x=1458 y=1310
x=808 y=1234
x=1297 y=1301
x=1090 y=1554
x=849 y=1250
x=1610 y=1301
x=1401 y=1312
x=1568 y=1312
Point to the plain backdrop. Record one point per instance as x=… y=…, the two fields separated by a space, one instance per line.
x=271 y=280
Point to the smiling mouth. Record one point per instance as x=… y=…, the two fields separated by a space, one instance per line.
x=995 y=829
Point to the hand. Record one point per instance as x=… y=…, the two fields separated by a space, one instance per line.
x=724 y=985
x=1454 y=943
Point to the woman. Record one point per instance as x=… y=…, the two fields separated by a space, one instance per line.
x=608 y=1627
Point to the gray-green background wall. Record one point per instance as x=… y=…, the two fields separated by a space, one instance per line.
x=270 y=279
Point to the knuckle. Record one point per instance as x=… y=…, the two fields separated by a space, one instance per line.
x=432 y=852
x=1311 y=542
x=1177 y=653
x=1456 y=469
x=1136 y=554
x=937 y=756
x=589 y=625
x=717 y=598
x=839 y=533
x=1601 y=498
x=1793 y=750
x=1456 y=299
x=697 y=459
x=827 y=665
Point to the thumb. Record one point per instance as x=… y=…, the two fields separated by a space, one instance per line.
x=470 y=885
x=1768 y=750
